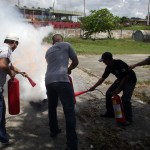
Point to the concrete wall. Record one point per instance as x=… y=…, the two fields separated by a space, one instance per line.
x=68 y=32
x=117 y=34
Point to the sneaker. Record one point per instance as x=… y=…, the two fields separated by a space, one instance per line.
x=106 y=115
x=54 y=134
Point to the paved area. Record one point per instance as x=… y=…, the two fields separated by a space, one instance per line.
x=30 y=127
x=90 y=64
x=139 y=132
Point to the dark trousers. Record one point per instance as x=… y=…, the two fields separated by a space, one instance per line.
x=3 y=134
x=126 y=99
x=63 y=91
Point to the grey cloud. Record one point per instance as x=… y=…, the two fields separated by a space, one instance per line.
x=129 y=8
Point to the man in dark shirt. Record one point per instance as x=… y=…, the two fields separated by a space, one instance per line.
x=125 y=82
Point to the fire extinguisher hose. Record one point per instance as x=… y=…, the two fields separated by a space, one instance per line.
x=100 y=92
x=83 y=92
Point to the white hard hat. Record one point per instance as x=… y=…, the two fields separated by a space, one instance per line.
x=12 y=36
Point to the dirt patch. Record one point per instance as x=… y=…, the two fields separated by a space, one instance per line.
x=104 y=133
x=31 y=131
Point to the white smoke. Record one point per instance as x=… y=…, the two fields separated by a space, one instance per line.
x=30 y=53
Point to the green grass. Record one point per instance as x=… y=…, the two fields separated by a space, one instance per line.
x=136 y=27
x=121 y=46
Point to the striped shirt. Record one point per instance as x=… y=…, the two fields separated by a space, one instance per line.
x=5 y=52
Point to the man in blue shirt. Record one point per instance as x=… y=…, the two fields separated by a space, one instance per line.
x=58 y=86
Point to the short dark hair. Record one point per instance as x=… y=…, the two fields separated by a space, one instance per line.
x=56 y=35
x=9 y=41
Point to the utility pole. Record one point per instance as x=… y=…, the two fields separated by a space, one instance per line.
x=53 y=4
x=84 y=8
x=148 y=13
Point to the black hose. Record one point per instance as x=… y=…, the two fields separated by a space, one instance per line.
x=100 y=92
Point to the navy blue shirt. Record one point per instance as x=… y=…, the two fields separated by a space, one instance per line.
x=120 y=69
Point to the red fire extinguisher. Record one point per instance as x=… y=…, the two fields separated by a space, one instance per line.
x=70 y=79
x=118 y=109
x=13 y=96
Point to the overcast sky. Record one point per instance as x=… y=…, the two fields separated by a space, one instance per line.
x=129 y=8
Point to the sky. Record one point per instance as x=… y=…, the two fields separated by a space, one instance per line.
x=128 y=8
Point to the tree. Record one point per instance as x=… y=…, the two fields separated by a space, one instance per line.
x=99 y=21
x=124 y=19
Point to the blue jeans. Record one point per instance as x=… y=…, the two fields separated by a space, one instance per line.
x=3 y=134
x=126 y=99
x=63 y=91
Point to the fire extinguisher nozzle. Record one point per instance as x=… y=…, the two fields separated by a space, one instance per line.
x=31 y=81
x=80 y=93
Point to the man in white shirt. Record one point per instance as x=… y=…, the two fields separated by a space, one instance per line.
x=10 y=44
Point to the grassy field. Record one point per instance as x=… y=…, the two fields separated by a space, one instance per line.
x=121 y=46
x=136 y=27
x=116 y=46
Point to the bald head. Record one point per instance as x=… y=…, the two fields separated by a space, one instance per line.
x=57 y=38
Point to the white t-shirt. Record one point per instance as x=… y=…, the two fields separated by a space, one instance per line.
x=57 y=58
x=5 y=52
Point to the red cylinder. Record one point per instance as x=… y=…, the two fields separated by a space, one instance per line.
x=70 y=79
x=118 y=109
x=13 y=96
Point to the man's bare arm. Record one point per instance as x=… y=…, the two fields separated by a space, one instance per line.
x=14 y=69
x=141 y=63
x=4 y=64
x=99 y=82
x=73 y=64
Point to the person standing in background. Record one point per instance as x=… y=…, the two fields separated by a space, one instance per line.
x=58 y=86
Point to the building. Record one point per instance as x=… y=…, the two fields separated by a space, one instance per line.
x=57 y=18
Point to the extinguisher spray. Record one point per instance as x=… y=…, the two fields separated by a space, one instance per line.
x=118 y=109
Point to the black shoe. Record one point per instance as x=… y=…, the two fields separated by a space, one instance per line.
x=106 y=115
x=54 y=134
x=5 y=144
x=67 y=148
